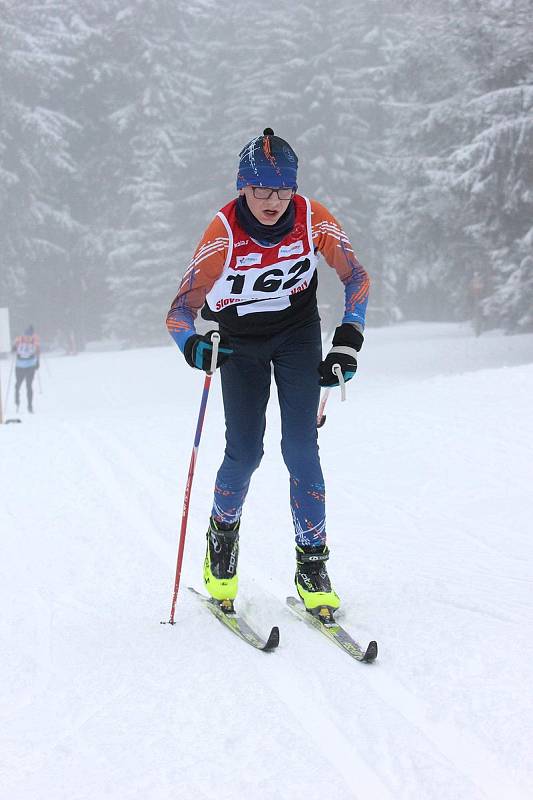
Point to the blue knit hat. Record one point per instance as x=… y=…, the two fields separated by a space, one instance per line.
x=267 y=161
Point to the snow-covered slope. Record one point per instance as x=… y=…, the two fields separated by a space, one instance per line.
x=428 y=469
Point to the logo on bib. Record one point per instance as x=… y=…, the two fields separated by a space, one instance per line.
x=294 y=249
x=248 y=261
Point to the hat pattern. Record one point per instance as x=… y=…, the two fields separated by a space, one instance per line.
x=267 y=160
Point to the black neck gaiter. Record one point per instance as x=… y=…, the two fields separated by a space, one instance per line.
x=264 y=234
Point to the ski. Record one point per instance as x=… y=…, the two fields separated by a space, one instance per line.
x=335 y=632
x=238 y=624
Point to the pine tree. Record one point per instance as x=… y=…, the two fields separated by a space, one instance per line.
x=155 y=129
x=34 y=159
x=460 y=146
x=123 y=120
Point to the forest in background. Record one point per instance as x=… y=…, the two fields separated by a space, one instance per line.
x=121 y=122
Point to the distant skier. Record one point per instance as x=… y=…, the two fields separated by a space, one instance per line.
x=255 y=273
x=27 y=349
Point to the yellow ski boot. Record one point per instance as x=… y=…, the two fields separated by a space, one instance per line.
x=220 y=565
x=312 y=580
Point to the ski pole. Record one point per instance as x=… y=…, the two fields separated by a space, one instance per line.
x=215 y=339
x=321 y=416
x=13 y=419
x=9 y=382
x=45 y=362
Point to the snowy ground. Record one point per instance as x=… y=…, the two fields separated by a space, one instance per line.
x=428 y=468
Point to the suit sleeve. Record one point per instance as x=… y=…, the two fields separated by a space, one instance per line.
x=205 y=268
x=331 y=241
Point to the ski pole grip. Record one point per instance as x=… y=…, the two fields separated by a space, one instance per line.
x=215 y=339
x=342 y=383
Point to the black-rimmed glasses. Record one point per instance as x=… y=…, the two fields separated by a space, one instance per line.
x=265 y=193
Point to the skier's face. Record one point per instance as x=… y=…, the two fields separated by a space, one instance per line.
x=266 y=211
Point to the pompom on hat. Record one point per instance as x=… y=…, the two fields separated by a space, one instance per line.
x=268 y=160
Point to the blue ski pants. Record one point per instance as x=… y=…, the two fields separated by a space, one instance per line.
x=294 y=355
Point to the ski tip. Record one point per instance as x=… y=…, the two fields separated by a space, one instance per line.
x=273 y=639
x=371 y=652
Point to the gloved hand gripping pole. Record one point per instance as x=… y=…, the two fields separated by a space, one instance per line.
x=321 y=416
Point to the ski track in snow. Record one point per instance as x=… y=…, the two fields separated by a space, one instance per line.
x=340 y=752
x=306 y=705
x=114 y=478
x=460 y=749
x=98 y=699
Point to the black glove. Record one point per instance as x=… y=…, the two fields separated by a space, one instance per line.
x=198 y=351
x=347 y=342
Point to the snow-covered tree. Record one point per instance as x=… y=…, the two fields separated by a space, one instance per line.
x=122 y=121
x=157 y=126
x=34 y=158
x=460 y=145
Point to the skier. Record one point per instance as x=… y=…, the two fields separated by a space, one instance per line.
x=27 y=349
x=255 y=273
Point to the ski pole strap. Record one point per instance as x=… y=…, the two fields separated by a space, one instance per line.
x=215 y=341
x=340 y=377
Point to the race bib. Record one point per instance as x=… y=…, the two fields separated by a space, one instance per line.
x=260 y=279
